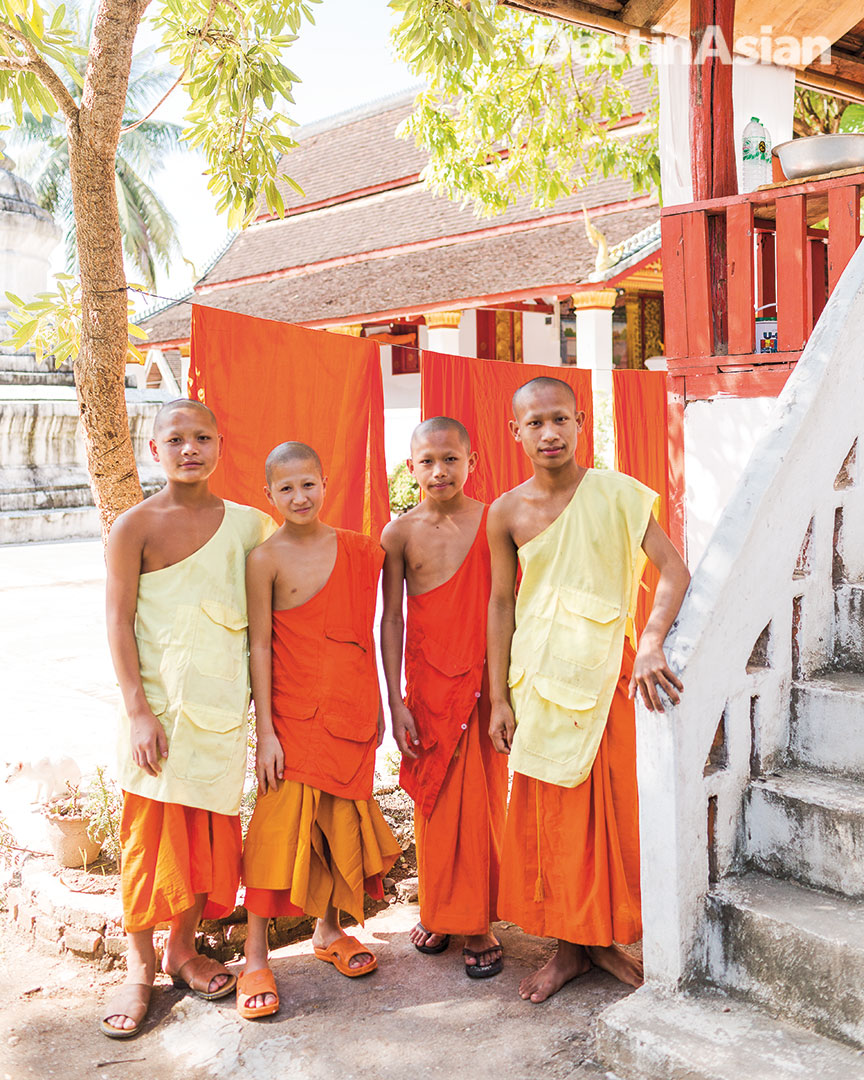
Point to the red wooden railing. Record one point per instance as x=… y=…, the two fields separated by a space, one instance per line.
x=761 y=250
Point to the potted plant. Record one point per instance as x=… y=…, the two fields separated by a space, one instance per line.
x=68 y=826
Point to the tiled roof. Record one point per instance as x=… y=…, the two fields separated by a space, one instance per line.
x=533 y=260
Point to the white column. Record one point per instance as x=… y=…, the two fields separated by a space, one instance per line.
x=594 y=335
x=468 y=333
x=443 y=331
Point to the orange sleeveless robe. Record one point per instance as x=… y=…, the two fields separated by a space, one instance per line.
x=321 y=838
x=459 y=781
x=170 y=854
x=570 y=864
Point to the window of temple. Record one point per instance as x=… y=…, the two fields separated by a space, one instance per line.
x=499 y=335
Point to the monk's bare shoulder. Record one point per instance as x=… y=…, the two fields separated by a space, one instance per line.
x=263 y=558
x=503 y=511
x=136 y=525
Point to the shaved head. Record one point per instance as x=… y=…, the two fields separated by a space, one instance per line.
x=288 y=452
x=542 y=382
x=171 y=407
x=441 y=423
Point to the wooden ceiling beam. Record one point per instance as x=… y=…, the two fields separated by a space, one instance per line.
x=587 y=15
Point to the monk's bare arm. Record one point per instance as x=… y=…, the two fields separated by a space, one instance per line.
x=269 y=757
x=650 y=669
x=123 y=559
x=393 y=634
x=501 y=623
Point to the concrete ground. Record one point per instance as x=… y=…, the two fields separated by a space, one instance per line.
x=417 y=1017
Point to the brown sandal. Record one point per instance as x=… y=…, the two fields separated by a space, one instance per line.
x=131 y=1000
x=199 y=972
x=256 y=984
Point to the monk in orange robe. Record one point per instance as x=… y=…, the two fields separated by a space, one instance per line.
x=561 y=680
x=176 y=607
x=449 y=766
x=317 y=839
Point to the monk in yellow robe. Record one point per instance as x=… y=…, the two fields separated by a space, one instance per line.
x=439 y=552
x=317 y=839
x=176 y=604
x=561 y=680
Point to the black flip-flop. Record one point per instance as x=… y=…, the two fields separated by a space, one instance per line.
x=483 y=971
x=432 y=950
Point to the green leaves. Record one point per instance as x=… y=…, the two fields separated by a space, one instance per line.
x=51 y=324
x=233 y=58
x=519 y=105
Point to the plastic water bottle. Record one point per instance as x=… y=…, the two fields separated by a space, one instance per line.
x=756 y=151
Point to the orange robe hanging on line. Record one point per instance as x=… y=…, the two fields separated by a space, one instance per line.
x=458 y=782
x=571 y=854
x=321 y=838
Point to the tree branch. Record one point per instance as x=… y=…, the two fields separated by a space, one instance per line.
x=144 y=119
x=41 y=69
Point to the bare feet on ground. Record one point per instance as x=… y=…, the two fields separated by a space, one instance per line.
x=612 y=958
x=325 y=935
x=569 y=962
x=419 y=935
x=487 y=945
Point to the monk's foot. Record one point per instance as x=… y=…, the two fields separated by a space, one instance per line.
x=569 y=962
x=425 y=939
x=137 y=975
x=178 y=954
x=612 y=958
x=324 y=936
x=256 y=1001
x=484 y=954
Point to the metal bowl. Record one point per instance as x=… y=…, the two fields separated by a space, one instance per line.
x=813 y=155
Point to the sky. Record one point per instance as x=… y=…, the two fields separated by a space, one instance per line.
x=344 y=60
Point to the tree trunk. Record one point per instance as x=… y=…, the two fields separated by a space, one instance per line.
x=101 y=366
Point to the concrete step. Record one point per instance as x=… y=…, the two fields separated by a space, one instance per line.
x=849 y=626
x=826 y=723
x=26 y=526
x=46 y=377
x=650 y=1036
x=808 y=826
x=795 y=951
x=56 y=498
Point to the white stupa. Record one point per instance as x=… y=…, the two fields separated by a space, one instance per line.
x=28 y=236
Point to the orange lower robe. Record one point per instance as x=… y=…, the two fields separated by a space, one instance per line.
x=169 y=854
x=458 y=782
x=570 y=865
x=321 y=837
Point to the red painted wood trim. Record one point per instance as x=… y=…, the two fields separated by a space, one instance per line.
x=674 y=298
x=844 y=232
x=675 y=389
x=712 y=146
x=767 y=197
x=793 y=291
x=697 y=286
x=347 y=196
x=818 y=278
x=739 y=256
x=423 y=245
x=738 y=384
x=766 y=297
x=172 y=343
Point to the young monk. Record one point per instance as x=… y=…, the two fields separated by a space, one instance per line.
x=562 y=678
x=177 y=630
x=458 y=783
x=317 y=837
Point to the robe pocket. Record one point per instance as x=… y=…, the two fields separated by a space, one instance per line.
x=564 y=694
x=220 y=641
x=354 y=727
x=205 y=744
x=583 y=629
x=345 y=667
x=443 y=659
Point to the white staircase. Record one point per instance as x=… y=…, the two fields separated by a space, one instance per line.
x=752 y=789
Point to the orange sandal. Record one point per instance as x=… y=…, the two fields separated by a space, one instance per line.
x=339 y=954
x=252 y=984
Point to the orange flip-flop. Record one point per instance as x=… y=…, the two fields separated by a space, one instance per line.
x=253 y=984
x=339 y=954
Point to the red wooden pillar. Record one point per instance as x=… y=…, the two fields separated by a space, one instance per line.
x=844 y=231
x=712 y=143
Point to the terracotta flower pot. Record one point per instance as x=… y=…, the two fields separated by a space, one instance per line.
x=70 y=844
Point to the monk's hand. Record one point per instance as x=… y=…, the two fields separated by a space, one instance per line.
x=651 y=673
x=404 y=729
x=269 y=762
x=149 y=742
x=380 y=728
x=502 y=727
